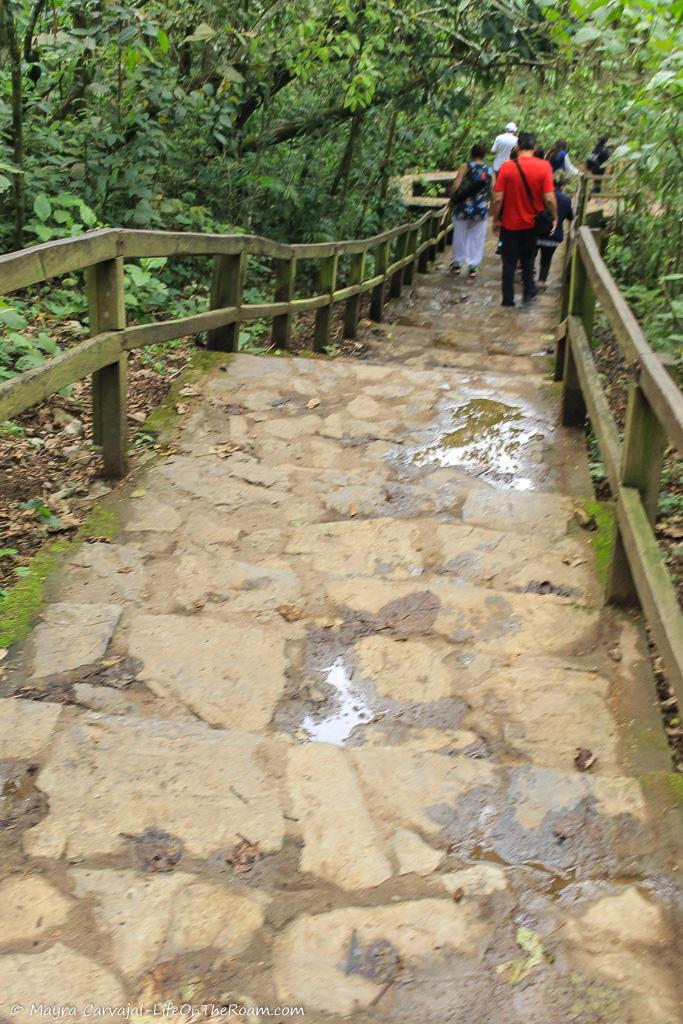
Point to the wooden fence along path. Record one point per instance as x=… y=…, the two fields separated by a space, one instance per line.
x=633 y=467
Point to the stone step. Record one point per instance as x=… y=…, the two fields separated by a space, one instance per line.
x=401 y=549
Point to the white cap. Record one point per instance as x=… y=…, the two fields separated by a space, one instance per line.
x=511 y=126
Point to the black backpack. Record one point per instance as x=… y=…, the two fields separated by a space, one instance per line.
x=469 y=186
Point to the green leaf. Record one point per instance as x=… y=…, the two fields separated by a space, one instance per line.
x=163 y=41
x=42 y=206
x=587 y=34
x=13 y=320
x=232 y=74
x=5 y=183
x=201 y=34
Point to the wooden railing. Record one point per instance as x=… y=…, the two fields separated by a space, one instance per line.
x=397 y=255
x=633 y=465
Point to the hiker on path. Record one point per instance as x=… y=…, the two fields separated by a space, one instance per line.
x=595 y=163
x=502 y=145
x=471 y=199
x=524 y=205
x=559 y=159
x=547 y=246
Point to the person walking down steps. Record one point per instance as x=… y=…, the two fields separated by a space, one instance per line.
x=524 y=210
x=503 y=145
x=470 y=201
x=547 y=246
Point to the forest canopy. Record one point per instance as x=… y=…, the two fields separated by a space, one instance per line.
x=290 y=118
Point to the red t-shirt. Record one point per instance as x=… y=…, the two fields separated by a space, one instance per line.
x=518 y=212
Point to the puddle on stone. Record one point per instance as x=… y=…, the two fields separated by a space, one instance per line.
x=491 y=437
x=351 y=709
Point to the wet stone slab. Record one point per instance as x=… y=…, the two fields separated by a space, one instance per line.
x=304 y=731
x=108 y=778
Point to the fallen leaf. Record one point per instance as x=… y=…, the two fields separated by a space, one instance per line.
x=585 y=521
x=313 y=403
x=139 y=493
x=108 y=662
x=290 y=612
x=224 y=450
x=190 y=391
x=584 y=759
x=516 y=970
x=3 y=653
x=137 y=417
x=353 y=510
x=125 y=568
x=180 y=408
x=243 y=856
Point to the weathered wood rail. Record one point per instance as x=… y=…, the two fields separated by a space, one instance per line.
x=633 y=465
x=393 y=256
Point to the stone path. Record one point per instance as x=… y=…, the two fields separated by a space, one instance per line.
x=304 y=733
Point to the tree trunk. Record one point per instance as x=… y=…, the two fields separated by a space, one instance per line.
x=387 y=158
x=344 y=170
x=10 y=33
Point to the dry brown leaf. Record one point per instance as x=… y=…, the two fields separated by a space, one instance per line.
x=353 y=510
x=584 y=759
x=140 y=492
x=291 y=612
x=190 y=391
x=313 y=403
x=180 y=408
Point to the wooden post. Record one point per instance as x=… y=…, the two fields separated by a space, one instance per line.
x=441 y=244
x=573 y=411
x=643 y=451
x=585 y=188
x=107 y=312
x=423 y=258
x=397 y=276
x=323 y=316
x=377 y=295
x=352 y=308
x=641 y=467
x=285 y=277
x=560 y=353
x=620 y=588
x=226 y=290
x=433 y=232
x=409 y=272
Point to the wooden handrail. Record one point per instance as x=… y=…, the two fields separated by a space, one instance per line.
x=102 y=254
x=633 y=466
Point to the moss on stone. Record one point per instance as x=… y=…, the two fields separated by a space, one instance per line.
x=675 y=784
x=655 y=739
x=202 y=362
x=101 y=522
x=19 y=608
x=603 y=537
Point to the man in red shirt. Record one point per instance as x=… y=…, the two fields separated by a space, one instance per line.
x=514 y=214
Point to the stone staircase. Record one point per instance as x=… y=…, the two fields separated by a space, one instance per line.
x=304 y=733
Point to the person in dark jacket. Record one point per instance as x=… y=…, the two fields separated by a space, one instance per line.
x=547 y=246
x=595 y=163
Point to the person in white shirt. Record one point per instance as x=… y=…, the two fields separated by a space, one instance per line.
x=503 y=145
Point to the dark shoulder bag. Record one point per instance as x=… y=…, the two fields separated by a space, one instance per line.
x=543 y=221
x=469 y=186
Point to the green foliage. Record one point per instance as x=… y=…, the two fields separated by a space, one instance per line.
x=20 y=606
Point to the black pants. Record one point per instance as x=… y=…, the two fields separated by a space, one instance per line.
x=518 y=246
x=547 y=252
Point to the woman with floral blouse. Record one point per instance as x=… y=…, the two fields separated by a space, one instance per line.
x=470 y=198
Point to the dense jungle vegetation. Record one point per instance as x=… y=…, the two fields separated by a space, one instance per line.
x=290 y=118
